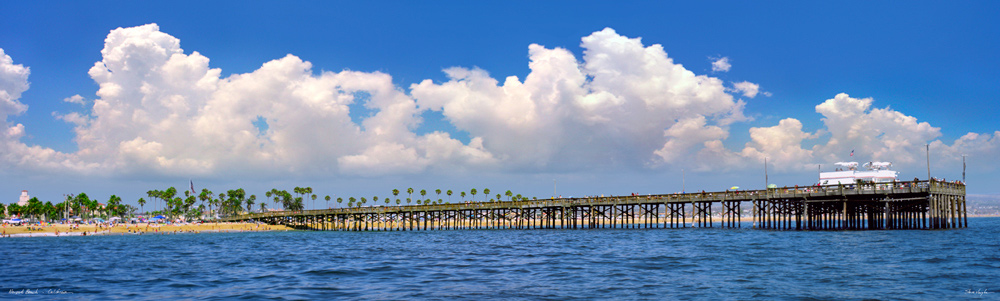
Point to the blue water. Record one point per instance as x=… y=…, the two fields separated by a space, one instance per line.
x=512 y=264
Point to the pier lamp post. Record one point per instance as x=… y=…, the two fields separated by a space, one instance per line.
x=963 y=169
x=928 y=162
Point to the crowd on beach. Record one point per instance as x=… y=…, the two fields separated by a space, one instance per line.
x=75 y=229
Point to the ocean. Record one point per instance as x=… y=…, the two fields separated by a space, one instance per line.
x=601 y=264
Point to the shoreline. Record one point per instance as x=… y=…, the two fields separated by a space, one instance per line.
x=62 y=230
x=58 y=230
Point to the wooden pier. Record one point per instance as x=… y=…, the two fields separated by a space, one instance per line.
x=883 y=206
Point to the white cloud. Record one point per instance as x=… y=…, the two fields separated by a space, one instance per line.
x=610 y=109
x=622 y=105
x=77 y=99
x=781 y=144
x=721 y=64
x=747 y=88
x=883 y=134
x=13 y=81
x=15 y=155
x=162 y=111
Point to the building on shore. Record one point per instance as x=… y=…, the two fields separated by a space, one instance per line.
x=23 y=201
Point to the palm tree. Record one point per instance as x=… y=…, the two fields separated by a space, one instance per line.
x=509 y=195
x=221 y=201
x=351 y=201
x=364 y=200
x=449 y=195
x=142 y=203
x=313 y=197
x=408 y=201
x=463 y=196
x=386 y=201
x=206 y=197
x=486 y=193
x=340 y=200
x=375 y=200
x=438 y=191
x=398 y=202
x=423 y=192
x=498 y=197
x=327 y=198
x=250 y=202
x=473 y=191
x=395 y=193
x=409 y=192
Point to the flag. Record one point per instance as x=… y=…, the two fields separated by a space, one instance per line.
x=852 y=155
x=192 y=187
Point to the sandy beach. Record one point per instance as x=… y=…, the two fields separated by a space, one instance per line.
x=125 y=229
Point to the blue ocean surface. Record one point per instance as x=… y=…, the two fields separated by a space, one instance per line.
x=618 y=264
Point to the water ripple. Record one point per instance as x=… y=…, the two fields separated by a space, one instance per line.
x=618 y=264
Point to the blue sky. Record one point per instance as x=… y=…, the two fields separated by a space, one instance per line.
x=931 y=61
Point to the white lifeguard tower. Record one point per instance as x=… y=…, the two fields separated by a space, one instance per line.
x=23 y=201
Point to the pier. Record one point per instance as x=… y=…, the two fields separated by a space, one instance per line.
x=863 y=206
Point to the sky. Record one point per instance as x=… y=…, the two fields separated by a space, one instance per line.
x=542 y=98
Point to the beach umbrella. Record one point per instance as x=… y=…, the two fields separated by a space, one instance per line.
x=15 y=220
x=159 y=216
x=734 y=188
x=772 y=186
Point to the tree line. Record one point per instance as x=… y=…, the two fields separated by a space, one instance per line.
x=208 y=204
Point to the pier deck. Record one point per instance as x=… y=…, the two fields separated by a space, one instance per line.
x=899 y=205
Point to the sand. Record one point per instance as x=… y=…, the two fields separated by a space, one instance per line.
x=141 y=228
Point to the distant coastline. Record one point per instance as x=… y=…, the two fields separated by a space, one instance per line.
x=57 y=230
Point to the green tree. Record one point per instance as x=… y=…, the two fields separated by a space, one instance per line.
x=473 y=192
x=142 y=202
x=509 y=195
x=463 y=196
x=409 y=193
x=327 y=198
x=206 y=197
x=340 y=200
x=221 y=203
x=449 y=195
x=250 y=201
x=395 y=193
x=486 y=194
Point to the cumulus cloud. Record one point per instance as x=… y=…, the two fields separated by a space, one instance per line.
x=13 y=81
x=748 y=89
x=721 y=64
x=13 y=153
x=77 y=99
x=163 y=111
x=852 y=124
x=610 y=109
